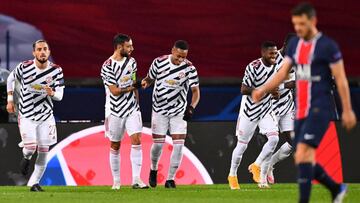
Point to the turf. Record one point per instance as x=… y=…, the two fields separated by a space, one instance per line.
x=203 y=193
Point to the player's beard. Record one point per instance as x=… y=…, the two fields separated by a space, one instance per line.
x=42 y=61
x=124 y=54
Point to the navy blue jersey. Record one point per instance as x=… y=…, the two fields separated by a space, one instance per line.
x=312 y=60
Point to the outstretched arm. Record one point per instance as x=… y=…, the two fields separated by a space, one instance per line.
x=274 y=82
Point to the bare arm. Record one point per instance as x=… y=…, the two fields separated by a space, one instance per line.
x=348 y=116
x=10 y=107
x=195 y=96
x=274 y=82
x=245 y=90
x=116 y=91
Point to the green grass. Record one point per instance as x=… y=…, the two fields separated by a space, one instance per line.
x=203 y=193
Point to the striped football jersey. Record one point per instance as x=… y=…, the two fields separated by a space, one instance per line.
x=122 y=74
x=256 y=75
x=34 y=102
x=285 y=103
x=172 y=83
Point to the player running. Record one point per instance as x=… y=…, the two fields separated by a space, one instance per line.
x=316 y=58
x=122 y=111
x=173 y=75
x=252 y=115
x=41 y=82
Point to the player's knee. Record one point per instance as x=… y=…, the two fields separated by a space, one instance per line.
x=136 y=139
x=115 y=145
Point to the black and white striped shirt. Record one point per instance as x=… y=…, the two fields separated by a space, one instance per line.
x=285 y=104
x=34 y=102
x=256 y=75
x=172 y=83
x=122 y=74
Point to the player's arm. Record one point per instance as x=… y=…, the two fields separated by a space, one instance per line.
x=57 y=92
x=274 y=82
x=147 y=82
x=290 y=84
x=117 y=91
x=348 y=117
x=195 y=96
x=245 y=90
x=10 y=107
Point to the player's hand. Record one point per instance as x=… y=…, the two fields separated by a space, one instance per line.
x=348 y=119
x=257 y=94
x=49 y=91
x=144 y=84
x=10 y=107
x=275 y=93
x=188 y=113
x=137 y=84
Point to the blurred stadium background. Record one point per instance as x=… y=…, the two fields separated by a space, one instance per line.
x=223 y=36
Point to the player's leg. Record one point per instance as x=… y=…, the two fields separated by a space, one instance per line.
x=133 y=126
x=178 y=131
x=268 y=126
x=286 y=126
x=46 y=136
x=244 y=132
x=27 y=130
x=159 y=127
x=114 y=130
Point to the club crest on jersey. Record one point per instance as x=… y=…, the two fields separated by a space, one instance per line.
x=181 y=75
x=49 y=80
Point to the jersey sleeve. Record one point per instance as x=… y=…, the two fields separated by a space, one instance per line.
x=193 y=77
x=333 y=52
x=59 y=80
x=107 y=75
x=248 y=79
x=153 y=72
x=18 y=71
x=291 y=48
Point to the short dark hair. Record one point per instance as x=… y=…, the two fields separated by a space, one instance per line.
x=181 y=44
x=267 y=44
x=39 y=41
x=304 y=8
x=120 y=39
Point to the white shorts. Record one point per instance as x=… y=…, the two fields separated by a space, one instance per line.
x=115 y=127
x=38 y=132
x=160 y=124
x=286 y=122
x=245 y=128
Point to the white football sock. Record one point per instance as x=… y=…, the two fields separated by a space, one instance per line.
x=115 y=165
x=281 y=154
x=268 y=148
x=136 y=161
x=40 y=165
x=176 y=157
x=236 y=157
x=155 y=152
x=29 y=150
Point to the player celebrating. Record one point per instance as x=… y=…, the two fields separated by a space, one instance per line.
x=41 y=82
x=251 y=115
x=316 y=58
x=173 y=75
x=122 y=110
x=283 y=108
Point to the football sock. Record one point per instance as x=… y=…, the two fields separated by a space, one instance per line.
x=155 y=152
x=176 y=157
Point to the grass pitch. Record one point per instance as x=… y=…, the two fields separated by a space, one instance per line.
x=203 y=193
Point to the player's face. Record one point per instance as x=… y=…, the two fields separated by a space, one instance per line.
x=303 y=25
x=269 y=55
x=126 y=49
x=41 y=52
x=178 y=55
